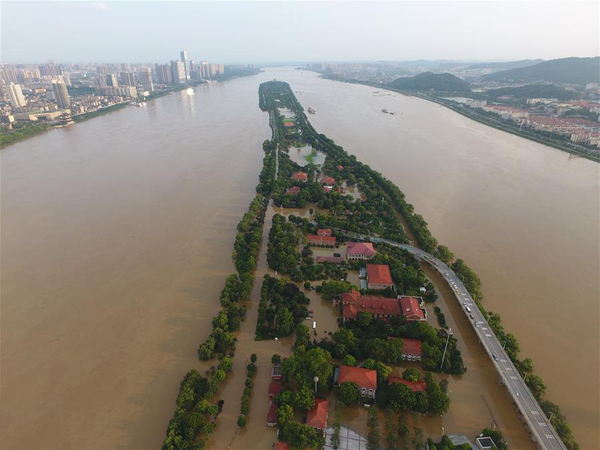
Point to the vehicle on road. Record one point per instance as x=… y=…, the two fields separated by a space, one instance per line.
x=495 y=357
x=467 y=308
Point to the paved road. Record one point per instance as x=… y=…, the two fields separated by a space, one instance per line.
x=541 y=429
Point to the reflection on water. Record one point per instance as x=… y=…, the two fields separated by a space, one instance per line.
x=305 y=155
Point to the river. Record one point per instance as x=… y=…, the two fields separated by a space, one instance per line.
x=117 y=234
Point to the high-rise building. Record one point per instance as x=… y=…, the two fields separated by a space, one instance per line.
x=177 y=72
x=127 y=79
x=186 y=63
x=111 y=80
x=15 y=95
x=61 y=95
x=50 y=70
x=145 y=77
x=163 y=74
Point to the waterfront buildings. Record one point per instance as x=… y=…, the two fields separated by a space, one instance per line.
x=413 y=309
x=365 y=379
x=177 y=73
x=61 y=95
x=186 y=63
x=15 y=95
x=360 y=250
x=379 y=276
x=145 y=77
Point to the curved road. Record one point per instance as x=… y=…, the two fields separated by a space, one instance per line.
x=541 y=428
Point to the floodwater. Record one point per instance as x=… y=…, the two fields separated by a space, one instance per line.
x=117 y=235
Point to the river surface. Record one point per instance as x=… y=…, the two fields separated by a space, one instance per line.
x=117 y=233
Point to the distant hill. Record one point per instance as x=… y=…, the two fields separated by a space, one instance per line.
x=565 y=70
x=534 y=91
x=427 y=81
x=505 y=65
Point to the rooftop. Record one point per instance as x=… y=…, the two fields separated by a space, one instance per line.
x=379 y=274
x=317 y=416
x=412 y=347
x=360 y=248
x=415 y=386
x=366 y=378
x=411 y=308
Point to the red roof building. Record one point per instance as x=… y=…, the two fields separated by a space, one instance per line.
x=317 y=417
x=379 y=276
x=381 y=308
x=274 y=389
x=288 y=124
x=272 y=415
x=281 y=446
x=413 y=309
x=324 y=232
x=365 y=379
x=339 y=167
x=415 y=386
x=294 y=190
x=360 y=250
x=327 y=181
x=412 y=350
x=300 y=176
x=323 y=241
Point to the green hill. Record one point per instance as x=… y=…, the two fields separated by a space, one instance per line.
x=505 y=65
x=565 y=70
x=428 y=81
x=534 y=91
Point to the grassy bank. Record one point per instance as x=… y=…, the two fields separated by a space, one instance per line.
x=8 y=137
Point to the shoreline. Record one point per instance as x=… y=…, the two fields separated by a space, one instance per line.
x=102 y=111
x=473 y=117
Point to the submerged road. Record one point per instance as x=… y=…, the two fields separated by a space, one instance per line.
x=540 y=427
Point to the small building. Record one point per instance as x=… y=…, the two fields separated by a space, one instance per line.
x=360 y=250
x=339 y=167
x=412 y=350
x=365 y=379
x=379 y=276
x=317 y=416
x=413 y=309
x=294 y=190
x=327 y=181
x=381 y=308
x=305 y=252
x=272 y=415
x=485 y=442
x=324 y=232
x=277 y=372
x=322 y=241
x=288 y=124
x=300 y=176
x=329 y=259
x=274 y=389
x=415 y=386
x=281 y=446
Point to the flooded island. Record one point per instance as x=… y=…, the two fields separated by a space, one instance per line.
x=332 y=329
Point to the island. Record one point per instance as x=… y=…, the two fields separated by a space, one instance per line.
x=337 y=244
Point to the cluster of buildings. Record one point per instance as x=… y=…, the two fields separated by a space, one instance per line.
x=47 y=92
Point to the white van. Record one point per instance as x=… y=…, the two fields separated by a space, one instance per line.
x=468 y=309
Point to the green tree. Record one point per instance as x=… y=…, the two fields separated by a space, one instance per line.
x=304 y=398
x=439 y=402
x=364 y=319
x=285 y=322
x=285 y=413
x=299 y=435
x=349 y=360
x=302 y=335
x=401 y=397
x=275 y=359
x=241 y=422
x=391 y=431
x=536 y=384
x=445 y=254
x=393 y=351
x=411 y=374
x=348 y=393
x=374 y=437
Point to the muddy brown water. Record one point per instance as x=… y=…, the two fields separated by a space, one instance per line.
x=117 y=234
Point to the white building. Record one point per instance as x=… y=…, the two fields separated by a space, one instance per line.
x=61 y=95
x=15 y=95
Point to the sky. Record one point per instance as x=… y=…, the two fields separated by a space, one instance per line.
x=230 y=32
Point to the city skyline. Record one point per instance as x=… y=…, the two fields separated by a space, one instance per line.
x=339 y=31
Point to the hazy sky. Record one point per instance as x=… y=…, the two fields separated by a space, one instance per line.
x=146 y=31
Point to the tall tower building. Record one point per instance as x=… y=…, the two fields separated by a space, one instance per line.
x=145 y=77
x=186 y=63
x=61 y=95
x=111 y=80
x=163 y=74
x=127 y=79
x=15 y=95
x=177 y=72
